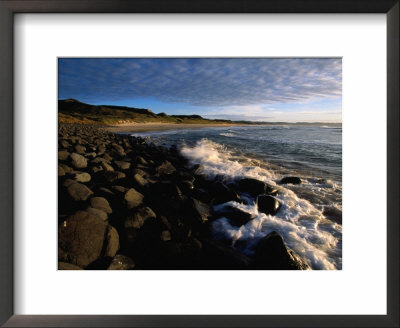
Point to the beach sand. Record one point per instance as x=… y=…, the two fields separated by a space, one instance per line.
x=145 y=127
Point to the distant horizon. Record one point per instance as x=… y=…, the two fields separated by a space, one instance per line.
x=271 y=90
x=184 y=114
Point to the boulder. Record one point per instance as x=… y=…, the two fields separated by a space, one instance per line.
x=83 y=239
x=101 y=203
x=78 y=191
x=268 y=204
x=218 y=256
x=66 y=168
x=65 y=144
x=165 y=235
x=112 y=176
x=122 y=165
x=121 y=262
x=112 y=242
x=61 y=171
x=81 y=176
x=80 y=149
x=133 y=198
x=106 y=166
x=223 y=194
x=234 y=214
x=100 y=214
x=252 y=186
x=140 y=181
x=165 y=168
x=137 y=219
x=290 y=180
x=272 y=254
x=68 y=266
x=78 y=161
x=63 y=155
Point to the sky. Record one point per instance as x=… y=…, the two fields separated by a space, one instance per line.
x=253 y=89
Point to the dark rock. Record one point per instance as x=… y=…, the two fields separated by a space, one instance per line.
x=165 y=235
x=201 y=194
x=106 y=167
x=61 y=171
x=79 y=192
x=272 y=254
x=63 y=155
x=78 y=161
x=268 y=204
x=121 y=262
x=112 y=176
x=83 y=238
x=223 y=194
x=186 y=186
x=234 y=214
x=140 y=181
x=252 y=186
x=122 y=165
x=66 y=168
x=100 y=214
x=80 y=176
x=165 y=168
x=68 y=266
x=101 y=203
x=333 y=214
x=198 y=212
x=137 y=219
x=133 y=198
x=218 y=256
x=80 y=149
x=291 y=180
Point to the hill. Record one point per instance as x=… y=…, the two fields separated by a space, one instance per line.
x=74 y=111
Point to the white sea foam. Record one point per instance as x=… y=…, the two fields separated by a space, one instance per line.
x=301 y=222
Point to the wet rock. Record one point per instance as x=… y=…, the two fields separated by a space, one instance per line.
x=199 y=211
x=268 y=204
x=63 y=155
x=122 y=165
x=137 y=219
x=79 y=192
x=234 y=214
x=101 y=203
x=252 y=186
x=82 y=239
x=272 y=254
x=333 y=214
x=133 y=198
x=68 y=266
x=223 y=194
x=121 y=262
x=218 y=256
x=165 y=168
x=78 y=161
x=290 y=180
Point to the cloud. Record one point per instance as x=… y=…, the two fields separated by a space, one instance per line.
x=201 y=82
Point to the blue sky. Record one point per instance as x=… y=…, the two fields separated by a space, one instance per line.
x=257 y=89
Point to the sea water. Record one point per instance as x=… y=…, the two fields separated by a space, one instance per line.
x=310 y=219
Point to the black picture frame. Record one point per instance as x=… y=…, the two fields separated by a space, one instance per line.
x=10 y=7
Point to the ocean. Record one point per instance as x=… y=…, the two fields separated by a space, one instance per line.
x=310 y=219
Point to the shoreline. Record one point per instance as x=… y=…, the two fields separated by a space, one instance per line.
x=125 y=204
x=148 y=127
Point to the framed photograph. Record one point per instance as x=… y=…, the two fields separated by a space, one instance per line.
x=214 y=164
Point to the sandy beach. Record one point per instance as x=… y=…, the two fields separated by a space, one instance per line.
x=144 y=127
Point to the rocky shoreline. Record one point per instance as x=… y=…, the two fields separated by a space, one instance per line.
x=127 y=204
